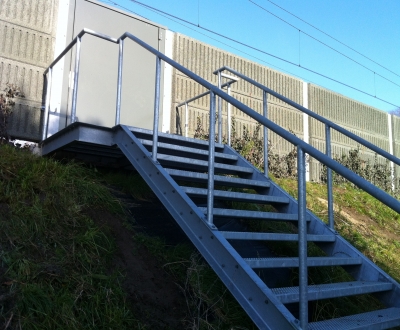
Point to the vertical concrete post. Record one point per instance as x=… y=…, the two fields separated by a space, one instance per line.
x=306 y=131
x=55 y=110
x=168 y=72
x=391 y=139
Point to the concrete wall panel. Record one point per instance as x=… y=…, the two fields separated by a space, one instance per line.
x=27 y=37
x=25 y=45
x=203 y=59
x=38 y=15
x=28 y=77
x=367 y=122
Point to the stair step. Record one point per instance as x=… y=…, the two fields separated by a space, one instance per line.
x=275 y=236
x=231 y=213
x=201 y=165
x=333 y=290
x=294 y=262
x=380 y=319
x=187 y=151
x=218 y=179
x=236 y=196
x=173 y=138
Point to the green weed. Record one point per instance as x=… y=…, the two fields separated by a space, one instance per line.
x=53 y=256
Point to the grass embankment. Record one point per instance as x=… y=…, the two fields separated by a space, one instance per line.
x=372 y=227
x=54 y=257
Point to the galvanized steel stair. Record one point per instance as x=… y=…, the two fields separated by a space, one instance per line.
x=252 y=272
x=186 y=160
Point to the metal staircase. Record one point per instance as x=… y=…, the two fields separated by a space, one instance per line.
x=218 y=199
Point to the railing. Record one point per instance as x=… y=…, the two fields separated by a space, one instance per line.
x=226 y=84
x=328 y=126
x=76 y=41
x=302 y=147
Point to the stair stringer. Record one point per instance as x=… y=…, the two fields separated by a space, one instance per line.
x=367 y=271
x=262 y=306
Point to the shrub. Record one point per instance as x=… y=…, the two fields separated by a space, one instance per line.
x=7 y=104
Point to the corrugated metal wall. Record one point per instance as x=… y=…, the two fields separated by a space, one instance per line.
x=203 y=59
x=27 y=37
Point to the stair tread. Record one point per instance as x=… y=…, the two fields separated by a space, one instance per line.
x=232 y=195
x=231 y=213
x=218 y=179
x=172 y=137
x=202 y=165
x=370 y=320
x=332 y=290
x=183 y=149
x=294 y=262
x=275 y=236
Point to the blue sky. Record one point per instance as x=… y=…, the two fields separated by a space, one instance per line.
x=371 y=27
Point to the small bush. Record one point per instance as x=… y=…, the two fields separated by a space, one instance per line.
x=251 y=147
x=378 y=174
x=7 y=103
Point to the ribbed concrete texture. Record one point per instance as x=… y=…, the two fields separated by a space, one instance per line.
x=396 y=140
x=203 y=59
x=367 y=122
x=27 y=37
x=363 y=120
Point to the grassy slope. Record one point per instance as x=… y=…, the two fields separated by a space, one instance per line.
x=54 y=258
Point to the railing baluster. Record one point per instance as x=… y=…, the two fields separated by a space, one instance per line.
x=211 y=154
x=47 y=104
x=156 y=108
x=219 y=110
x=229 y=117
x=303 y=272
x=76 y=76
x=119 y=83
x=265 y=113
x=329 y=178
x=186 y=120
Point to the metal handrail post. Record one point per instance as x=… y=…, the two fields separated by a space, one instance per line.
x=219 y=111
x=76 y=76
x=186 y=120
x=119 y=83
x=265 y=113
x=47 y=105
x=331 y=220
x=211 y=160
x=303 y=272
x=337 y=127
x=229 y=117
x=156 y=108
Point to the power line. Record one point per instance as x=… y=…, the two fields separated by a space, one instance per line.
x=262 y=51
x=209 y=37
x=323 y=43
x=328 y=35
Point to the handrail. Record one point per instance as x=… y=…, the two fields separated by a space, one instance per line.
x=331 y=124
x=185 y=103
x=75 y=41
x=328 y=125
x=200 y=95
x=302 y=148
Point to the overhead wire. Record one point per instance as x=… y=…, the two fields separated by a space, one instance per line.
x=264 y=52
x=333 y=38
x=163 y=13
x=323 y=43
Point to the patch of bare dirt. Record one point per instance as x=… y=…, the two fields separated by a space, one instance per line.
x=362 y=222
x=153 y=294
